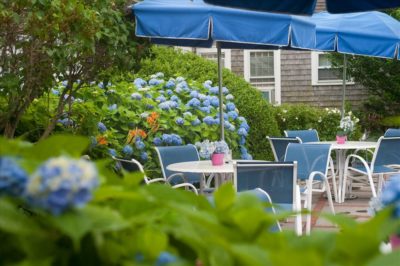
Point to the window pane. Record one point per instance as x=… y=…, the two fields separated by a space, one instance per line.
x=213 y=56
x=328 y=74
x=324 y=61
x=265 y=95
x=261 y=64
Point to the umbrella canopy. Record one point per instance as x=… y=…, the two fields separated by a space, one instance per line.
x=306 y=7
x=197 y=24
x=369 y=33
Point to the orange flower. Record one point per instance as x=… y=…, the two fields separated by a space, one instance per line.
x=152 y=118
x=135 y=133
x=102 y=140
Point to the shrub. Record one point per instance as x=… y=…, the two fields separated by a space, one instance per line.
x=127 y=119
x=325 y=121
x=248 y=99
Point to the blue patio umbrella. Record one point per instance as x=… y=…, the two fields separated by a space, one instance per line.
x=368 y=33
x=307 y=7
x=197 y=24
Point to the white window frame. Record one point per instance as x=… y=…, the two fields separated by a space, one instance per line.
x=314 y=73
x=226 y=52
x=277 y=74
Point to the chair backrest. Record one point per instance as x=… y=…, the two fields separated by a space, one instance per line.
x=392 y=132
x=310 y=158
x=279 y=145
x=310 y=135
x=178 y=154
x=277 y=179
x=130 y=165
x=387 y=152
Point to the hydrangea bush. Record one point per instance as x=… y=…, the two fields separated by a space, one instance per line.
x=129 y=118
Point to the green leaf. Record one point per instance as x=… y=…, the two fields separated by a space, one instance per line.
x=152 y=240
x=392 y=258
x=224 y=196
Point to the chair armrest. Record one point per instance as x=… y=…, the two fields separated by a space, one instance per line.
x=154 y=180
x=183 y=178
x=209 y=180
x=316 y=173
x=187 y=185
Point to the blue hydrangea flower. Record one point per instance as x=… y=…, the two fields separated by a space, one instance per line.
x=101 y=127
x=140 y=83
x=148 y=95
x=144 y=156
x=113 y=107
x=12 y=177
x=168 y=105
x=214 y=101
x=55 y=92
x=159 y=75
x=93 y=141
x=217 y=120
x=196 y=122
x=242 y=119
x=229 y=97
x=161 y=99
x=202 y=97
x=205 y=109
x=227 y=125
x=170 y=84
x=155 y=82
x=206 y=103
x=180 y=79
x=64 y=83
x=232 y=128
x=136 y=96
x=170 y=92
x=66 y=122
x=161 y=92
x=185 y=114
x=66 y=96
x=165 y=258
x=78 y=100
x=214 y=90
x=112 y=152
x=233 y=115
x=166 y=138
x=194 y=102
x=391 y=194
x=246 y=156
x=245 y=125
x=225 y=90
x=243 y=149
x=179 y=121
x=178 y=90
x=242 y=132
x=176 y=139
x=127 y=150
x=101 y=85
x=242 y=140
x=157 y=141
x=140 y=145
x=209 y=120
x=149 y=106
x=230 y=106
x=207 y=84
x=194 y=94
x=184 y=86
x=174 y=98
x=62 y=183
x=144 y=115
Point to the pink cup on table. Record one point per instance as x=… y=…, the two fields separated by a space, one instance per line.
x=217 y=159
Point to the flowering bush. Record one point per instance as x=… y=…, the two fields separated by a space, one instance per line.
x=390 y=197
x=206 y=148
x=325 y=121
x=127 y=119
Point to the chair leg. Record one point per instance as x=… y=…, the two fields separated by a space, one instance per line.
x=309 y=206
x=371 y=183
x=381 y=181
x=298 y=221
x=343 y=189
x=329 y=195
x=335 y=192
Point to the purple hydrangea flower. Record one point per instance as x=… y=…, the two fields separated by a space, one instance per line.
x=12 y=177
x=62 y=183
x=101 y=127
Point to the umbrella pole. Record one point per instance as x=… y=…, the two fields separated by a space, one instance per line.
x=221 y=100
x=344 y=84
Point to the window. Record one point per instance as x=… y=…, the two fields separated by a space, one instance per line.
x=262 y=70
x=322 y=71
x=212 y=54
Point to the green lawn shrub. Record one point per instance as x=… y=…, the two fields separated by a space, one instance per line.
x=257 y=111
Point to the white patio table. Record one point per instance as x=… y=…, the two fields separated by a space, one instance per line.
x=205 y=167
x=341 y=150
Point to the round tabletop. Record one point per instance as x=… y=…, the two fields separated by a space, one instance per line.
x=201 y=167
x=350 y=145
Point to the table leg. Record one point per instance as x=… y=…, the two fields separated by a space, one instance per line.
x=340 y=161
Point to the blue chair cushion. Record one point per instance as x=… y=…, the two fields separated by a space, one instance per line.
x=378 y=169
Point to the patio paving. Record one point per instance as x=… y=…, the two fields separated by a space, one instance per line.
x=355 y=208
